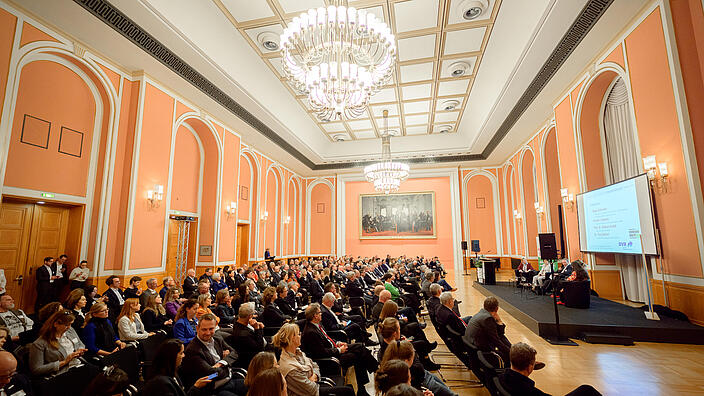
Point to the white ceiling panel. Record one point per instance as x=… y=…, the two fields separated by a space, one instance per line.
x=456 y=12
x=360 y=124
x=364 y=134
x=417 y=72
x=457 y=87
x=415 y=15
x=416 y=119
x=247 y=10
x=340 y=137
x=383 y=96
x=467 y=40
x=447 y=117
x=416 y=130
x=378 y=111
x=441 y=104
x=416 y=107
x=448 y=65
x=416 y=47
x=254 y=34
x=416 y=91
x=291 y=6
x=333 y=126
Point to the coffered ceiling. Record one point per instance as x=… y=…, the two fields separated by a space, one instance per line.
x=439 y=52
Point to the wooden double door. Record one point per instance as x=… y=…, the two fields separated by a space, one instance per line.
x=28 y=233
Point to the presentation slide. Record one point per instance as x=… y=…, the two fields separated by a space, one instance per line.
x=612 y=218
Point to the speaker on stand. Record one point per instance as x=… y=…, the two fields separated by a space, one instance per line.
x=548 y=252
x=464 y=258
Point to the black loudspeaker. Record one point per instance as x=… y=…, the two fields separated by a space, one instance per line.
x=475 y=246
x=562 y=232
x=548 y=246
x=464 y=245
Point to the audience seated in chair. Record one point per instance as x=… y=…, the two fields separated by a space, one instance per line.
x=98 y=333
x=301 y=373
x=154 y=316
x=247 y=335
x=186 y=322
x=223 y=308
x=260 y=362
x=390 y=374
x=164 y=379
x=447 y=314
x=58 y=347
x=331 y=321
x=272 y=316
x=516 y=382
x=11 y=382
x=129 y=324
x=269 y=382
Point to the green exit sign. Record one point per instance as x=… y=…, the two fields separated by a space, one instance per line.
x=47 y=195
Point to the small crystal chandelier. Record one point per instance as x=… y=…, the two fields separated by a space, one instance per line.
x=339 y=57
x=386 y=175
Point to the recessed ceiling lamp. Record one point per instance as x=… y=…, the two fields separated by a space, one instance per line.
x=472 y=9
x=339 y=56
x=444 y=128
x=339 y=138
x=458 y=69
x=268 y=40
x=386 y=175
x=449 y=104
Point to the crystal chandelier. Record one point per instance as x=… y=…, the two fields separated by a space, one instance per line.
x=339 y=57
x=386 y=175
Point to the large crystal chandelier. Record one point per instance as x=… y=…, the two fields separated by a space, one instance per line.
x=339 y=56
x=386 y=175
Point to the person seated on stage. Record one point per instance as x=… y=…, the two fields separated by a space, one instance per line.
x=433 y=302
x=579 y=274
x=516 y=381
x=301 y=373
x=224 y=309
x=247 y=335
x=207 y=355
x=58 y=347
x=318 y=344
x=524 y=272
x=447 y=315
x=486 y=331
x=269 y=382
x=129 y=323
x=539 y=278
x=133 y=291
x=331 y=321
x=408 y=329
x=564 y=270
x=154 y=316
x=420 y=376
x=185 y=321
x=272 y=316
x=98 y=333
x=384 y=296
x=392 y=373
x=164 y=370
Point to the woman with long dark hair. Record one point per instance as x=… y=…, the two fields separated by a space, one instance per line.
x=58 y=347
x=186 y=322
x=164 y=380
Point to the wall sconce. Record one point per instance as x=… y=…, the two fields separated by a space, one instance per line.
x=287 y=220
x=539 y=210
x=230 y=209
x=155 y=195
x=567 y=198
x=652 y=168
x=517 y=214
x=265 y=215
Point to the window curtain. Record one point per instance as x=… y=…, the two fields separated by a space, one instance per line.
x=623 y=160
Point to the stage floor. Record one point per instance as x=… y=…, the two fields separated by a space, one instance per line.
x=603 y=317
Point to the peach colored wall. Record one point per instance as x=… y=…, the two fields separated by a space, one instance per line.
x=31 y=34
x=590 y=131
x=208 y=209
x=8 y=23
x=243 y=204
x=121 y=177
x=154 y=151
x=292 y=212
x=228 y=224
x=659 y=134
x=552 y=172
x=320 y=235
x=70 y=104
x=529 y=193
x=185 y=177
x=481 y=220
x=113 y=77
x=616 y=56
x=272 y=193
x=502 y=211
x=440 y=246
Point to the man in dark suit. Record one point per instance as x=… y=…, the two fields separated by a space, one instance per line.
x=60 y=269
x=116 y=298
x=516 y=381
x=45 y=280
x=433 y=302
x=447 y=317
x=331 y=321
x=293 y=297
x=247 y=335
x=207 y=354
x=152 y=284
x=281 y=302
x=487 y=331
x=318 y=344
x=207 y=275
x=190 y=284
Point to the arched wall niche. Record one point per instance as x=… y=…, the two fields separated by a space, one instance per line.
x=511 y=206
x=293 y=211
x=252 y=195
x=320 y=219
x=529 y=196
x=551 y=179
x=273 y=203
x=483 y=220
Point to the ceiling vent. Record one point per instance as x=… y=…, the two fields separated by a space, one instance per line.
x=472 y=9
x=268 y=40
x=449 y=104
x=458 y=69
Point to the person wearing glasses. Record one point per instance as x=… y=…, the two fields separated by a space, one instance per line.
x=98 y=333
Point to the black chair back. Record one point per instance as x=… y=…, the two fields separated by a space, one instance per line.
x=499 y=389
x=126 y=359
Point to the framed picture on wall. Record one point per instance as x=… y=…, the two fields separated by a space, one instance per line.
x=244 y=193
x=397 y=216
x=480 y=203
x=320 y=207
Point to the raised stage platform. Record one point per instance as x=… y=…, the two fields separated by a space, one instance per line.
x=603 y=317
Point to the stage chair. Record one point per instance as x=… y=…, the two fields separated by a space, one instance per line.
x=577 y=294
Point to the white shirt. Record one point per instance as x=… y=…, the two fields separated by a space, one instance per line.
x=79 y=274
x=119 y=295
x=51 y=273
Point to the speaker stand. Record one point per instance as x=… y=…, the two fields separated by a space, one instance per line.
x=558 y=339
x=464 y=263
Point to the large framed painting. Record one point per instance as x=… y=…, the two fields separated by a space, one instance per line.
x=397 y=216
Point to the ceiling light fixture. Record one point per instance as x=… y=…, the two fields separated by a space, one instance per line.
x=450 y=104
x=268 y=40
x=472 y=9
x=444 y=128
x=386 y=175
x=339 y=56
x=458 y=69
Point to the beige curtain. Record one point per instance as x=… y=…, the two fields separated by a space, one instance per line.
x=623 y=160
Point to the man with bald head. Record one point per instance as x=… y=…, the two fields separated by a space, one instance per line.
x=385 y=296
x=12 y=383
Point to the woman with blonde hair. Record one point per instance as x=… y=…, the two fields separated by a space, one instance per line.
x=172 y=301
x=129 y=324
x=301 y=373
x=98 y=333
x=154 y=315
